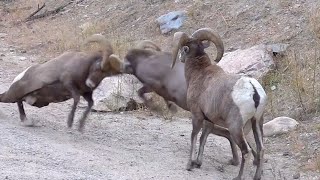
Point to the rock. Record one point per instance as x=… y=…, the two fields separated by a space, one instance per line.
x=255 y=61
x=170 y=21
x=277 y=48
x=22 y=58
x=279 y=125
x=273 y=88
x=3 y=35
x=23 y=51
x=118 y=92
x=296 y=175
x=11 y=50
x=2 y=55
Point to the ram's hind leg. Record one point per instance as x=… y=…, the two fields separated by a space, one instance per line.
x=260 y=149
x=206 y=130
x=236 y=131
x=88 y=98
x=197 y=120
x=220 y=131
x=24 y=120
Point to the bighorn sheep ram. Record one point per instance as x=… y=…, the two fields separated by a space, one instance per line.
x=70 y=75
x=232 y=101
x=152 y=67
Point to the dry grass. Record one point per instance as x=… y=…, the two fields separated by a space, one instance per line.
x=315 y=21
x=296 y=83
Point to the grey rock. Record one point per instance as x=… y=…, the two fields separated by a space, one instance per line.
x=255 y=61
x=279 y=125
x=277 y=48
x=116 y=93
x=170 y=21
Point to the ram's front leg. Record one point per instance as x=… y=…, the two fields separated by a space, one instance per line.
x=24 y=120
x=76 y=98
x=88 y=98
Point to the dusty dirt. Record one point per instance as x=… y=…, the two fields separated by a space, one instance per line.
x=135 y=145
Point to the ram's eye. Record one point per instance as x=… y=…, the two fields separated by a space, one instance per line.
x=185 y=49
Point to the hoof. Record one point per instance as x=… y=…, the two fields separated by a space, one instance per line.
x=27 y=123
x=197 y=164
x=237 y=178
x=80 y=129
x=190 y=165
x=257 y=178
x=69 y=123
x=234 y=162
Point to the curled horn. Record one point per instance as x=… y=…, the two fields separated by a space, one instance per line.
x=148 y=44
x=107 y=48
x=208 y=34
x=179 y=39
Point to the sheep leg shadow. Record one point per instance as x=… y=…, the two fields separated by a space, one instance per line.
x=24 y=120
x=88 y=98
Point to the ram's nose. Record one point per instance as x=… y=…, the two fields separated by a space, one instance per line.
x=90 y=83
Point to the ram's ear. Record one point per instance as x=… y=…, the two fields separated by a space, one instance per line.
x=116 y=63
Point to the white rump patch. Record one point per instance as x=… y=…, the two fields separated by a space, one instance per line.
x=17 y=78
x=242 y=96
x=90 y=83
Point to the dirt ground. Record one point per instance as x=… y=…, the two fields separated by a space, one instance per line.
x=137 y=145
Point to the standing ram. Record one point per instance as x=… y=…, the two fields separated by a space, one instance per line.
x=152 y=67
x=228 y=100
x=70 y=75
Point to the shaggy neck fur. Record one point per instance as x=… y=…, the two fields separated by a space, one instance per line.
x=199 y=67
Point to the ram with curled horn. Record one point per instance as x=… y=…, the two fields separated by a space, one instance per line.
x=227 y=100
x=152 y=67
x=70 y=75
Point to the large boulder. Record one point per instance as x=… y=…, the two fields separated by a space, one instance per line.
x=279 y=125
x=255 y=61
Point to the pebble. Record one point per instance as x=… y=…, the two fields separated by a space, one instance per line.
x=22 y=58
x=296 y=176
